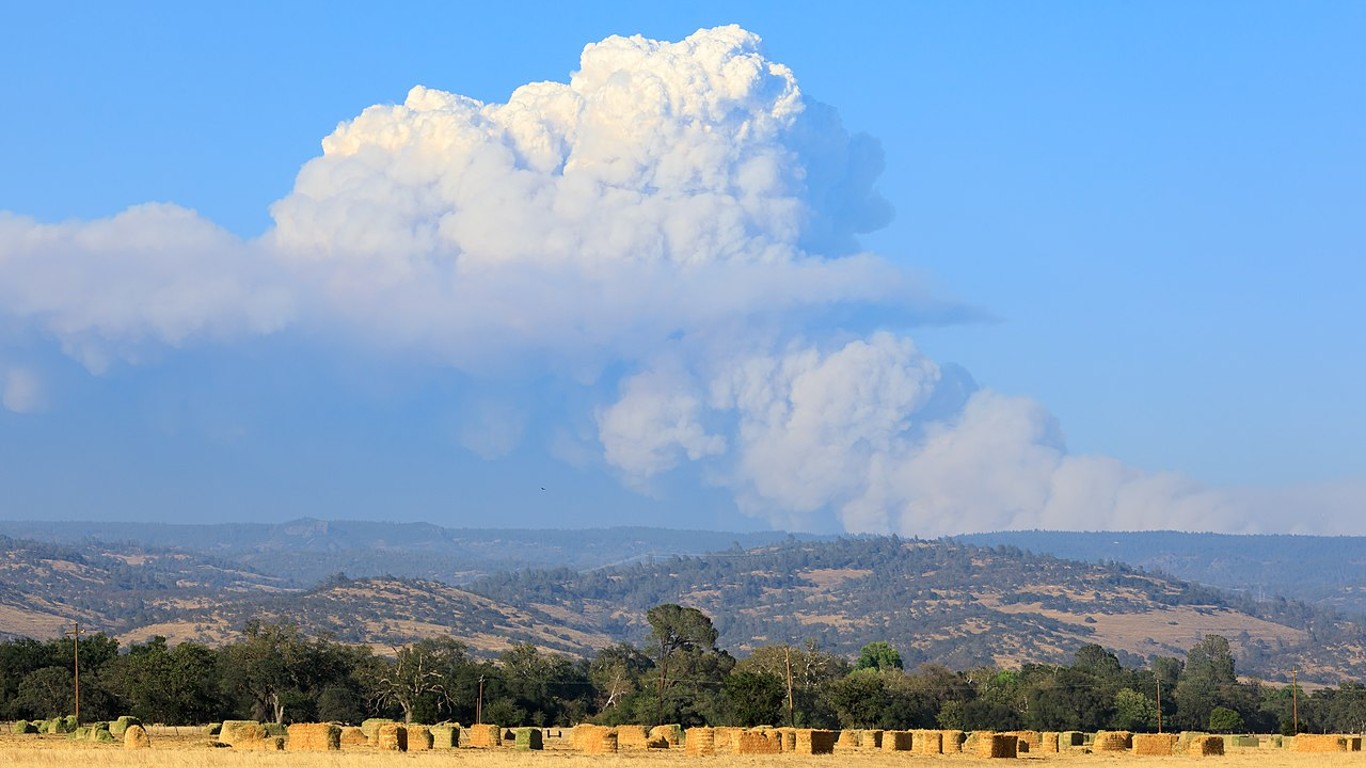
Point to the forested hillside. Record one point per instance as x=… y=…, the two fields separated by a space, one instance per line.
x=1327 y=571
x=948 y=603
x=940 y=602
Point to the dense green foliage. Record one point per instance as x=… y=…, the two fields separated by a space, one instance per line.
x=276 y=673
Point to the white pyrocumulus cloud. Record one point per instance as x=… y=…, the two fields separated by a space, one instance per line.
x=679 y=211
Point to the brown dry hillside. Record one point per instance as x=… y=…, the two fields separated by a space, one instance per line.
x=949 y=603
x=935 y=601
x=384 y=613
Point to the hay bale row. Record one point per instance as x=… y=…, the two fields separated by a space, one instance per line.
x=485 y=735
x=1320 y=742
x=1155 y=744
x=1206 y=746
x=1113 y=741
x=724 y=738
x=391 y=737
x=528 y=739
x=897 y=741
x=135 y=737
x=353 y=736
x=314 y=737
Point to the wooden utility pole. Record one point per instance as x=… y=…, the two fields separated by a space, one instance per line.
x=479 y=703
x=1159 y=702
x=75 y=634
x=1295 y=697
x=791 y=712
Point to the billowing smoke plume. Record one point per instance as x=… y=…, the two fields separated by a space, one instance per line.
x=677 y=211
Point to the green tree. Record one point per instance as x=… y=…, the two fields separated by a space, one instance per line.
x=755 y=698
x=685 y=640
x=1225 y=720
x=878 y=655
x=46 y=692
x=1134 y=711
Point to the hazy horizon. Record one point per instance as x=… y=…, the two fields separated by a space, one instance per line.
x=925 y=270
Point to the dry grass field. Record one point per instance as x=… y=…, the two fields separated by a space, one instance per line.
x=193 y=748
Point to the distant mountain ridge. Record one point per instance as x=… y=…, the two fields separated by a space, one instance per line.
x=308 y=550
x=944 y=601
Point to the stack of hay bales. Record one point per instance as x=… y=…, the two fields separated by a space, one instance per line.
x=314 y=737
x=951 y=741
x=1030 y=741
x=1321 y=742
x=630 y=737
x=672 y=734
x=1113 y=741
x=237 y=733
x=1069 y=739
x=485 y=735
x=353 y=736
x=808 y=741
x=848 y=739
x=445 y=736
x=370 y=727
x=925 y=742
x=725 y=737
x=1048 y=742
x=757 y=741
x=896 y=741
x=598 y=740
x=789 y=737
x=997 y=745
x=420 y=738
x=135 y=737
x=870 y=739
x=24 y=727
x=1151 y=744
x=699 y=742
x=1206 y=746
x=528 y=739
x=391 y=737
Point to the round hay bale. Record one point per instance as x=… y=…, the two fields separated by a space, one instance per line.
x=135 y=737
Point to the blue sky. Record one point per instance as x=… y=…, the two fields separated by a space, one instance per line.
x=1141 y=228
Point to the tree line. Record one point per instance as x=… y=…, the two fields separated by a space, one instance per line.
x=277 y=673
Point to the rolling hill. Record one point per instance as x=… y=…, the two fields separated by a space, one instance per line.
x=936 y=601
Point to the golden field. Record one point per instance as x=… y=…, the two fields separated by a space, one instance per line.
x=193 y=748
